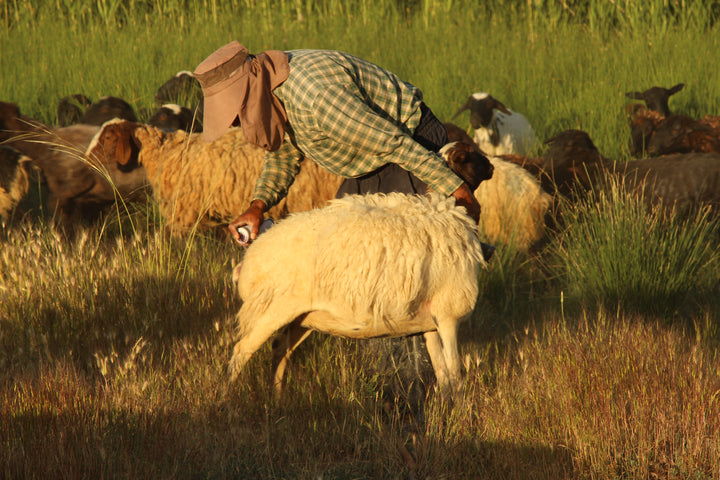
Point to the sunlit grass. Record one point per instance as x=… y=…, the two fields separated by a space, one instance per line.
x=617 y=250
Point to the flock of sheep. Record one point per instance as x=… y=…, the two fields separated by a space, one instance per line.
x=99 y=153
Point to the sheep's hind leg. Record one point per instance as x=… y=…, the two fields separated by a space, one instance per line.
x=447 y=329
x=444 y=354
x=283 y=346
x=434 y=346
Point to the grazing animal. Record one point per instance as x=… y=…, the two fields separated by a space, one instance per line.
x=681 y=181
x=182 y=89
x=71 y=108
x=204 y=184
x=172 y=116
x=208 y=184
x=415 y=272
x=79 y=187
x=656 y=98
x=683 y=134
x=643 y=124
x=514 y=203
x=498 y=130
x=106 y=109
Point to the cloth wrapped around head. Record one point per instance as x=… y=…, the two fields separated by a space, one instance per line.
x=237 y=84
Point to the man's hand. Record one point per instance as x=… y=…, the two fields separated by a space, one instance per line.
x=253 y=216
x=465 y=198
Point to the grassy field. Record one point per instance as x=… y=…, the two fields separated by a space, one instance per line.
x=595 y=356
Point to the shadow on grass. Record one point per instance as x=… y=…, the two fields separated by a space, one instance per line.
x=319 y=438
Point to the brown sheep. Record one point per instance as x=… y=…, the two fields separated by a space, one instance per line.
x=204 y=184
x=79 y=188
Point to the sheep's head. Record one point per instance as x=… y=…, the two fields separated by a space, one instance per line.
x=656 y=98
x=115 y=143
x=482 y=107
x=572 y=157
x=13 y=123
x=470 y=165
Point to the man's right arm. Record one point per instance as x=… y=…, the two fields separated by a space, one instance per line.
x=277 y=174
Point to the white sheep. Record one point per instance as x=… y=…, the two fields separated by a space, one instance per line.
x=514 y=206
x=498 y=130
x=204 y=184
x=514 y=203
x=364 y=266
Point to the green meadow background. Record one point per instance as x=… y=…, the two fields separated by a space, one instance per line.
x=594 y=356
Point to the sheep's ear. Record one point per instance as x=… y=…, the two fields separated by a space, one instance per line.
x=462 y=109
x=113 y=143
x=500 y=106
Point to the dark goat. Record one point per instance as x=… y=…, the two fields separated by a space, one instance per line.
x=71 y=108
x=682 y=134
x=656 y=98
x=683 y=181
x=182 y=89
x=643 y=123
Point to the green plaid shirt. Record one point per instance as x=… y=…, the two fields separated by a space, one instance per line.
x=350 y=117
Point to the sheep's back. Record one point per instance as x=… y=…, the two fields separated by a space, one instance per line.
x=203 y=183
x=513 y=205
x=681 y=180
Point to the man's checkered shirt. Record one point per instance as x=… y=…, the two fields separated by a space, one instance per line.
x=350 y=117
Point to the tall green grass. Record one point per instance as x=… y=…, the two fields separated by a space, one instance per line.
x=617 y=250
x=560 y=70
x=594 y=357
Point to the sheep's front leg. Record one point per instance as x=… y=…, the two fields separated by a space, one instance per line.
x=283 y=346
x=256 y=332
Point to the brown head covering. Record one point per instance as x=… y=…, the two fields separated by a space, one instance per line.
x=236 y=83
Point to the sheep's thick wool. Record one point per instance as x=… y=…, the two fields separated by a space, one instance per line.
x=364 y=266
x=202 y=184
x=514 y=206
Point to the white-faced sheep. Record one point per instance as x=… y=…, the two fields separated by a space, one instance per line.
x=16 y=173
x=416 y=272
x=203 y=184
x=79 y=188
x=498 y=130
x=172 y=116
